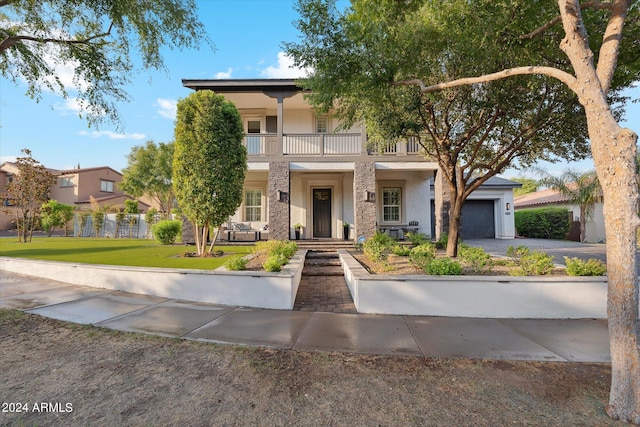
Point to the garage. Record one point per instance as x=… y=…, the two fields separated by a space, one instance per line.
x=478 y=219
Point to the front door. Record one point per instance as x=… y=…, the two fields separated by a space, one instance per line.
x=321 y=212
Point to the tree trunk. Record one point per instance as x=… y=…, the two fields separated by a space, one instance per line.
x=455 y=219
x=614 y=153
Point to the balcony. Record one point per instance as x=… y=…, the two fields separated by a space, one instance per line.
x=321 y=144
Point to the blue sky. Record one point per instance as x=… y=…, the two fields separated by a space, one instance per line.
x=248 y=37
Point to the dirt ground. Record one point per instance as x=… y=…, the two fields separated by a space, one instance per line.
x=92 y=376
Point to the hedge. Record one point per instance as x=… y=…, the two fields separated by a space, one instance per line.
x=543 y=223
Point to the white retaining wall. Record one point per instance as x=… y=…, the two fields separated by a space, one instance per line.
x=241 y=288
x=553 y=297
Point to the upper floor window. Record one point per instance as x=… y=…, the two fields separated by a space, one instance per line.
x=253 y=205
x=391 y=204
x=66 y=182
x=322 y=124
x=253 y=126
x=106 y=186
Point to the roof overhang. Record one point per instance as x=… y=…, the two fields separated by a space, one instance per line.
x=243 y=85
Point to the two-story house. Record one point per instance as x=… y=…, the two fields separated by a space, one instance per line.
x=75 y=187
x=301 y=171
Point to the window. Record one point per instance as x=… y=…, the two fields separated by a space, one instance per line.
x=66 y=182
x=391 y=201
x=253 y=126
x=322 y=124
x=253 y=205
x=106 y=186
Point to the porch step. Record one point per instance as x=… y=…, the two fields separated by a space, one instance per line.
x=322 y=263
x=324 y=245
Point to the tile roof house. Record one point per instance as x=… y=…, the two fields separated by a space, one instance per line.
x=302 y=171
x=550 y=197
x=73 y=187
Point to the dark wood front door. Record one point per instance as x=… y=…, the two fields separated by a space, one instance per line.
x=321 y=212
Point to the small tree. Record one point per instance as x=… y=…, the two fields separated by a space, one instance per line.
x=149 y=173
x=29 y=189
x=209 y=163
x=55 y=215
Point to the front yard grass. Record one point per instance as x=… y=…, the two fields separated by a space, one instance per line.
x=125 y=252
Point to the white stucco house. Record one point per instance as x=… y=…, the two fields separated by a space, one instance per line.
x=301 y=171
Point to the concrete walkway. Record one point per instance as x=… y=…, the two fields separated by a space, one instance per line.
x=506 y=339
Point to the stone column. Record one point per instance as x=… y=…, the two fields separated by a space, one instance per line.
x=364 y=179
x=442 y=196
x=279 y=211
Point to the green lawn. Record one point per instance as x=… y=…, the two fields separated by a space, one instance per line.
x=130 y=252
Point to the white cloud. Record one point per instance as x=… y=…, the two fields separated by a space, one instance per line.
x=112 y=135
x=224 y=74
x=285 y=69
x=167 y=108
x=11 y=159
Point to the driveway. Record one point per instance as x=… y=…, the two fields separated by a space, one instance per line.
x=557 y=248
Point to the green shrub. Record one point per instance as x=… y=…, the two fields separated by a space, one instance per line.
x=375 y=250
x=421 y=255
x=442 y=242
x=416 y=239
x=443 y=267
x=401 y=250
x=278 y=253
x=516 y=253
x=383 y=239
x=476 y=258
x=166 y=231
x=543 y=223
x=236 y=263
x=274 y=263
x=534 y=264
x=591 y=267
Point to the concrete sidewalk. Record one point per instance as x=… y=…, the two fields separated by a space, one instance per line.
x=506 y=339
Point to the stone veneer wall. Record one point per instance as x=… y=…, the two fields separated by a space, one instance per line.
x=279 y=212
x=442 y=195
x=365 y=212
x=187 y=232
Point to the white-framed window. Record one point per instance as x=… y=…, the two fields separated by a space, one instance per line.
x=322 y=124
x=106 y=186
x=391 y=204
x=253 y=205
x=66 y=182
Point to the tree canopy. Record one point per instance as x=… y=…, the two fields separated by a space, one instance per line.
x=97 y=41
x=592 y=48
x=367 y=59
x=149 y=172
x=209 y=163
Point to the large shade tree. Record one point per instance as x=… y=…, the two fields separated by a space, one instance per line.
x=149 y=172
x=601 y=56
x=366 y=60
x=89 y=49
x=209 y=163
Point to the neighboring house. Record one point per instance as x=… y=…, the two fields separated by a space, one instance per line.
x=73 y=187
x=551 y=197
x=301 y=171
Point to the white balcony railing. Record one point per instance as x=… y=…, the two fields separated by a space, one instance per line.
x=322 y=144
x=319 y=144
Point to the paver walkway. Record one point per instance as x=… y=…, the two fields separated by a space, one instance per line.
x=322 y=287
